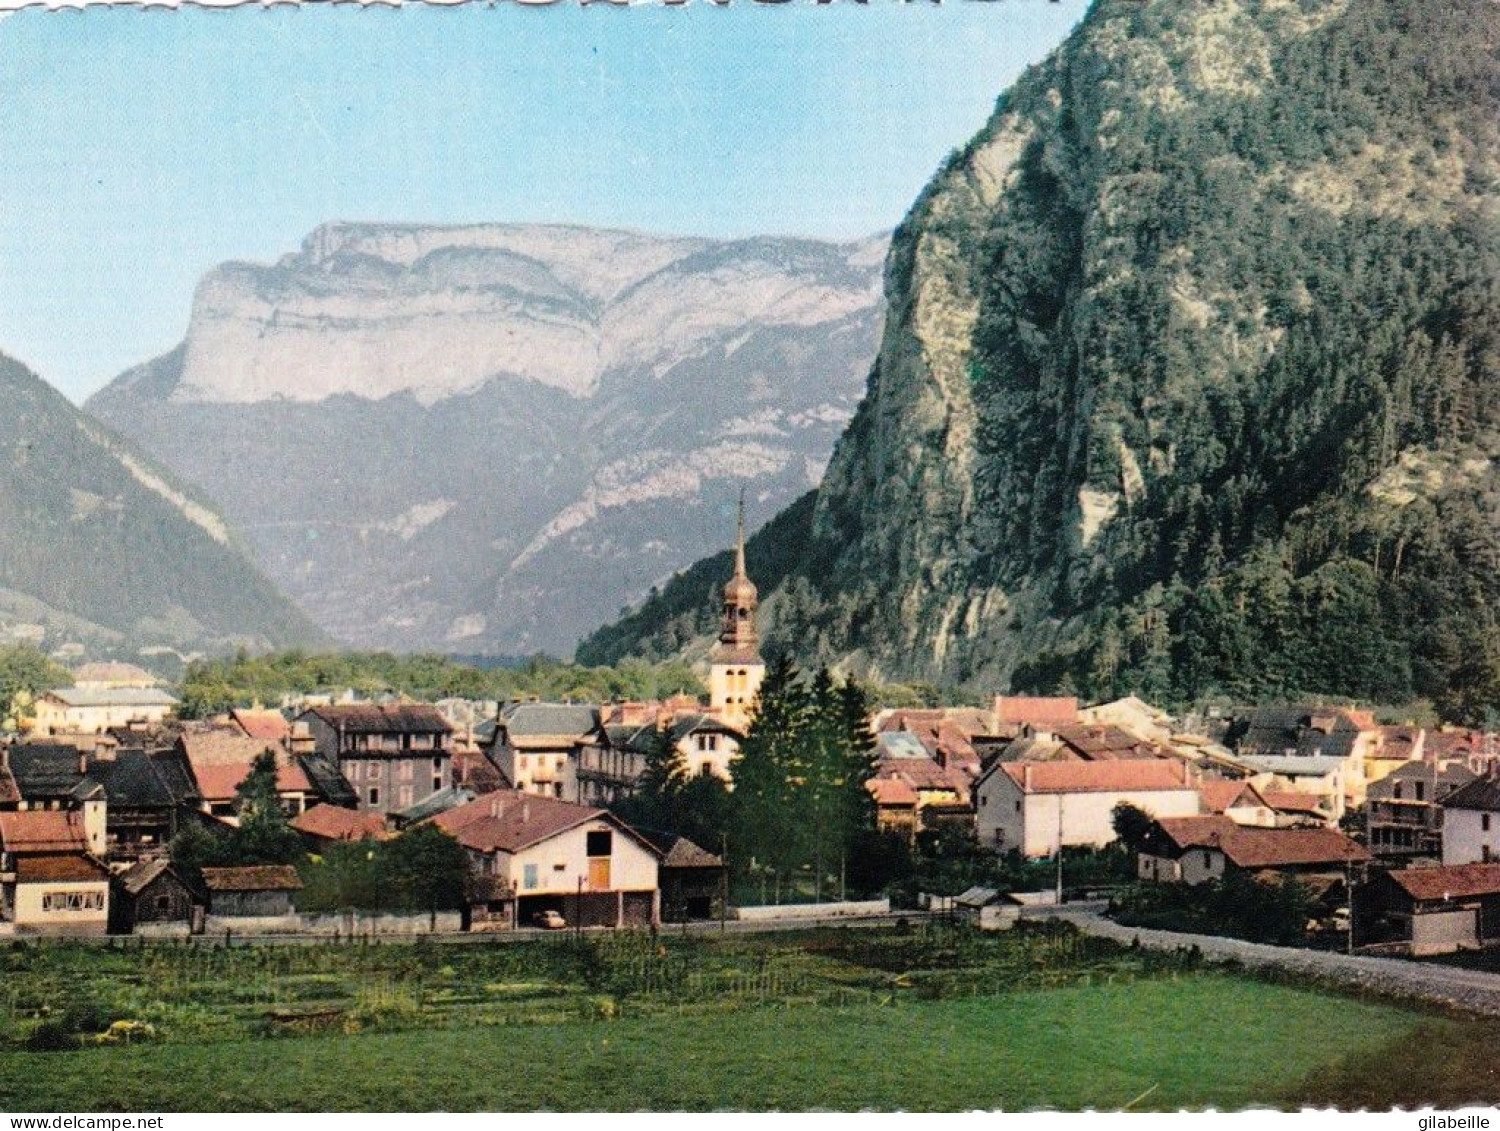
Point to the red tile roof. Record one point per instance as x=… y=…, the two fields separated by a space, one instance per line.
x=1273 y=848
x=508 y=821
x=1196 y=832
x=922 y=774
x=1122 y=776
x=333 y=822
x=43 y=831
x=259 y=877
x=1221 y=795
x=1453 y=882
x=1254 y=847
x=1291 y=801
x=268 y=726
x=891 y=791
x=475 y=771
x=71 y=867
x=1099 y=741
x=222 y=756
x=219 y=782
x=1036 y=710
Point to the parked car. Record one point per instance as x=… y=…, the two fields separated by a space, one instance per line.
x=549 y=920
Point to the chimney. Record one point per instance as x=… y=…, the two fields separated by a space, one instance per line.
x=1028 y=777
x=525 y=812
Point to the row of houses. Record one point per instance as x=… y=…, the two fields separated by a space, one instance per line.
x=529 y=856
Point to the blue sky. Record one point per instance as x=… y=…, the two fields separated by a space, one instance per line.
x=139 y=148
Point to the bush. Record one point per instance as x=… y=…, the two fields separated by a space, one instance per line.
x=51 y=1036
x=1237 y=907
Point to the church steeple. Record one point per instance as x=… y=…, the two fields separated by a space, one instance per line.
x=739 y=542
x=740 y=598
x=735 y=667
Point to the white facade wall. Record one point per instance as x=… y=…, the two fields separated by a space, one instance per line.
x=1202 y=864
x=546 y=773
x=732 y=689
x=562 y=861
x=1035 y=822
x=54 y=715
x=1157 y=869
x=715 y=760
x=1466 y=840
x=31 y=911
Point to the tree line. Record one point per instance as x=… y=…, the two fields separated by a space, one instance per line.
x=799 y=816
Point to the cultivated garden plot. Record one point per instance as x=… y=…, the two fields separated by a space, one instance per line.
x=935 y=1017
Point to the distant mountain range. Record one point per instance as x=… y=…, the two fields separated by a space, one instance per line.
x=488 y=439
x=103 y=548
x=1190 y=379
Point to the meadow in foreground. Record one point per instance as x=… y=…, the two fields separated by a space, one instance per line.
x=936 y=1018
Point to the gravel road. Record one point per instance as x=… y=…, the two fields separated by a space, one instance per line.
x=1468 y=989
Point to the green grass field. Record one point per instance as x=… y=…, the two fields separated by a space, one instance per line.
x=832 y=1020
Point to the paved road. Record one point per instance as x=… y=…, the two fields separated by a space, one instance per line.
x=523 y=934
x=1469 y=989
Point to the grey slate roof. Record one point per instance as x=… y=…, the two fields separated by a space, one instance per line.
x=132 y=779
x=114 y=697
x=691 y=724
x=900 y=744
x=533 y=720
x=45 y=771
x=328 y=780
x=440 y=802
x=1481 y=794
x=1451 y=777
x=1292 y=765
x=384 y=718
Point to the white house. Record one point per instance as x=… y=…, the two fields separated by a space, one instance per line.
x=533 y=853
x=708 y=745
x=1471 y=823
x=1034 y=807
x=81 y=710
x=1194 y=850
x=1326 y=778
x=51 y=881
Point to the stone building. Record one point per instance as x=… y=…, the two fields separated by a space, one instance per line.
x=392 y=754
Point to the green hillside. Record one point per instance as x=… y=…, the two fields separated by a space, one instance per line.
x=1189 y=382
x=100 y=547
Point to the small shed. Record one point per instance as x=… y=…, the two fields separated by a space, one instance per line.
x=151 y=897
x=1431 y=910
x=692 y=882
x=258 y=891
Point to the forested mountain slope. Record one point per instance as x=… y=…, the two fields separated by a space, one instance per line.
x=1188 y=383
x=100 y=547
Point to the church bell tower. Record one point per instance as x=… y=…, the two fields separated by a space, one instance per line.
x=735 y=666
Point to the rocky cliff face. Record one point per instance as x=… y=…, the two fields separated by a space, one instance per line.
x=1161 y=342
x=487 y=439
x=105 y=550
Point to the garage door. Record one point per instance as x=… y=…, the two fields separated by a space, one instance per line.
x=1439 y=932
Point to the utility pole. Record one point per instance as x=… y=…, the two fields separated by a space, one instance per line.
x=1349 y=902
x=1059 y=849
